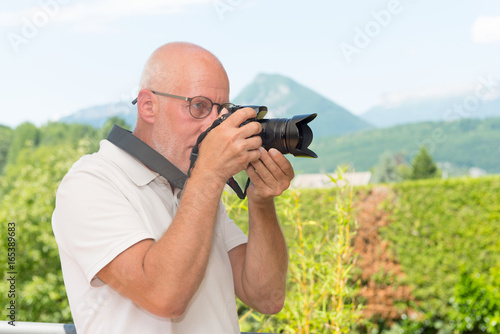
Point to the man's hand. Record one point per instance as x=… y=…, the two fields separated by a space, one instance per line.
x=229 y=148
x=271 y=175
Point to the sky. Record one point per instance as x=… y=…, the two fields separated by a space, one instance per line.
x=60 y=56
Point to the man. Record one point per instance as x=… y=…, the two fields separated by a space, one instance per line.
x=139 y=255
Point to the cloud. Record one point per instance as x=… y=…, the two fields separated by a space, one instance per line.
x=486 y=29
x=106 y=10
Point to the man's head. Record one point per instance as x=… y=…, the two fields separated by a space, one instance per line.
x=165 y=123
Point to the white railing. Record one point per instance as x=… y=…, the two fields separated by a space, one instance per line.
x=41 y=328
x=36 y=328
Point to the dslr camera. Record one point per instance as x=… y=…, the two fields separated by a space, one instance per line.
x=287 y=135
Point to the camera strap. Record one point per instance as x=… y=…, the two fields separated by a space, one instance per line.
x=125 y=140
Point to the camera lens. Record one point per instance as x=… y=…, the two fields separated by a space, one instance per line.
x=288 y=135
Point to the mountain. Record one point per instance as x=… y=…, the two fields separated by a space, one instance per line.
x=432 y=109
x=464 y=144
x=98 y=115
x=285 y=98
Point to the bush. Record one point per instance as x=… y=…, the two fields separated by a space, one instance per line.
x=440 y=228
x=477 y=302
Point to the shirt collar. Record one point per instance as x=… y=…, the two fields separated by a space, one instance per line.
x=135 y=170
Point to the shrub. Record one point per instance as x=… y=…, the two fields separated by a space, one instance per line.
x=477 y=302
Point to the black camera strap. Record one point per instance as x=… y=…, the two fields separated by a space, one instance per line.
x=125 y=140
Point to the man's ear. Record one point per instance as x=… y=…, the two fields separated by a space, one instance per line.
x=147 y=105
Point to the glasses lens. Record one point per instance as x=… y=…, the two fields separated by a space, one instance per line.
x=223 y=108
x=200 y=107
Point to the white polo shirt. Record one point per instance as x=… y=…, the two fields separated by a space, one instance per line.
x=108 y=202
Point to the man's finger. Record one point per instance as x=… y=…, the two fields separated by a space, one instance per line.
x=283 y=163
x=240 y=116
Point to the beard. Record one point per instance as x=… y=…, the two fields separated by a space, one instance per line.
x=169 y=146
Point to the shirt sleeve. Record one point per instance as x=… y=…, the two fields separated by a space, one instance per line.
x=94 y=221
x=233 y=235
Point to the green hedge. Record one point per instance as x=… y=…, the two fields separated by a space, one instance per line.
x=439 y=230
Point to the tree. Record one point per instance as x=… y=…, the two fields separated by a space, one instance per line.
x=5 y=139
x=25 y=135
x=106 y=128
x=387 y=170
x=56 y=133
x=423 y=167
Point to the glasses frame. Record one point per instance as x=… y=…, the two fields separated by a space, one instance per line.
x=220 y=106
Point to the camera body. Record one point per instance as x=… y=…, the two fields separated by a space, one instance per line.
x=287 y=135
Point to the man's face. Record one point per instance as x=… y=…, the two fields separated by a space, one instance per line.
x=175 y=130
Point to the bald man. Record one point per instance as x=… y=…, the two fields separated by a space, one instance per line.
x=142 y=256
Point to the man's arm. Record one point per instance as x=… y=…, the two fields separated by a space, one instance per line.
x=260 y=267
x=162 y=276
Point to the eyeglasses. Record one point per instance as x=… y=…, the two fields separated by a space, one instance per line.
x=199 y=106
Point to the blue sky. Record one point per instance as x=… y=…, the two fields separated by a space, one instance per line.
x=58 y=56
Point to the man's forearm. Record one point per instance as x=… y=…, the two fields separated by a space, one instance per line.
x=266 y=261
x=189 y=237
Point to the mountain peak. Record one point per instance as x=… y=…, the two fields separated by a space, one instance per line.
x=276 y=90
x=285 y=98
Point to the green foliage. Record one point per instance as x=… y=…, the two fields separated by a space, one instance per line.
x=422 y=166
x=477 y=302
x=53 y=134
x=106 y=128
x=23 y=136
x=404 y=172
x=39 y=159
x=387 y=170
x=321 y=294
x=5 y=141
x=440 y=227
x=32 y=183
